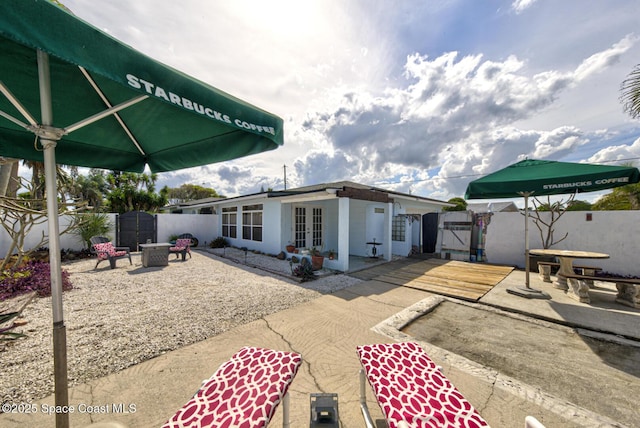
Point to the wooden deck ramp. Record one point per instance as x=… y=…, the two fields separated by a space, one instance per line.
x=463 y=280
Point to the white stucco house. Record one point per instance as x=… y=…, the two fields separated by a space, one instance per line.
x=342 y=217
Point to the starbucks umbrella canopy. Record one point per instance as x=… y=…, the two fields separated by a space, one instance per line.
x=532 y=177
x=171 y=121
x=73 y=95
x=542 y=177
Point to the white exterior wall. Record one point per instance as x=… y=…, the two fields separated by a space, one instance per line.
x=330 y=228
x=416 y=234
x=272 y=224
x=68 y=241
x=344 y=227
x=616 y=233
x=366 y=224
x=403 y=248
x=271 y=229
x=358 y=227
x=204 y=227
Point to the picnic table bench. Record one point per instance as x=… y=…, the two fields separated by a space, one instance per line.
x=544 y=270
x=565 y=259
x=628 y=288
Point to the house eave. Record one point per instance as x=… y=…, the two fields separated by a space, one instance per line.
x=322 y=195
x=421 y=200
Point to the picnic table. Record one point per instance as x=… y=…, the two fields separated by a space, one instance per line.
x=566 y=258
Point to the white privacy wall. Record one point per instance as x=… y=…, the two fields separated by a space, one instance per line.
x=616 y=233
x=202 y=226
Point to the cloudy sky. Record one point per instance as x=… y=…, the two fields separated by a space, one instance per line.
x=420 y=96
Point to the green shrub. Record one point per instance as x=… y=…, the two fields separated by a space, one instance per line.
x=94 y=224
x=219 y=242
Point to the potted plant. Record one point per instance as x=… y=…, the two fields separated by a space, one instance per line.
x=331 y=255
x=317 y=259
x=290 y=247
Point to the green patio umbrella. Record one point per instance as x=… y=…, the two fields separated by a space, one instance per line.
x=74 y=95
x=532 y=177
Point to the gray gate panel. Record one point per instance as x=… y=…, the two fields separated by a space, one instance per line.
x=136 y=227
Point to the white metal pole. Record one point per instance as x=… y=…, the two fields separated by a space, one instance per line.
x=59 y=329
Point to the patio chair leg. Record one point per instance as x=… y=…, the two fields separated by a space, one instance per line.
x=363 y=401
x=286 y=423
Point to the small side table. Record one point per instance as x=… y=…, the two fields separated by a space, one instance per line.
x=156 y=254
x=374 y=249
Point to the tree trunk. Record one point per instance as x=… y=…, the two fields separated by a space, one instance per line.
x=8 y=177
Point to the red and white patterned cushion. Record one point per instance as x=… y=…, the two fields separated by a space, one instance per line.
x=243 y=393
x=106 y=250
x=409 y=387
x=181 y=244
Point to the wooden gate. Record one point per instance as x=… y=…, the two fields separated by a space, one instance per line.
x=136 y=227
x=455 y=228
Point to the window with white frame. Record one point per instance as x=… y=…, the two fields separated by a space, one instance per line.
x=252 y=222
x=230 y=222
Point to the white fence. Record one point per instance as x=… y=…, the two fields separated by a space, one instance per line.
x=616 y=233
x=202 y=226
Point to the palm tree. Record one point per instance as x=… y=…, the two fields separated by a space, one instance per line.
x=630 y=96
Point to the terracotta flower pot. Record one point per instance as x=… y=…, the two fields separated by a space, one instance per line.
x=290 y=248
x=316 y=262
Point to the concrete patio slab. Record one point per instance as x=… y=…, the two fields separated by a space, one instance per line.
x=326 y=332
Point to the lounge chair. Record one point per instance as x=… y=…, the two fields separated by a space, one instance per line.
x=105 y=250
x=411 y=389
x=182 y=246
x=244 y=392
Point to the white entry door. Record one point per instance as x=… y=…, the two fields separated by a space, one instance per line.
x=307 y=227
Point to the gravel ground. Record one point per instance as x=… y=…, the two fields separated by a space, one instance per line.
x=121 y=317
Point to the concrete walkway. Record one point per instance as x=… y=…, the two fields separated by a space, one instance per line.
x=326 y=331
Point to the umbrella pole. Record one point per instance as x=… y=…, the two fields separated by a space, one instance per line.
x=527 y=291
x=527 y=262
x=59 y=330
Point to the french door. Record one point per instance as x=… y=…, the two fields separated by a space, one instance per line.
x=307 y=227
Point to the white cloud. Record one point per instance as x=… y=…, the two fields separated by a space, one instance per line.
x=520 y=6
x=410 y=94
x=622 y=152
x=601 y=60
